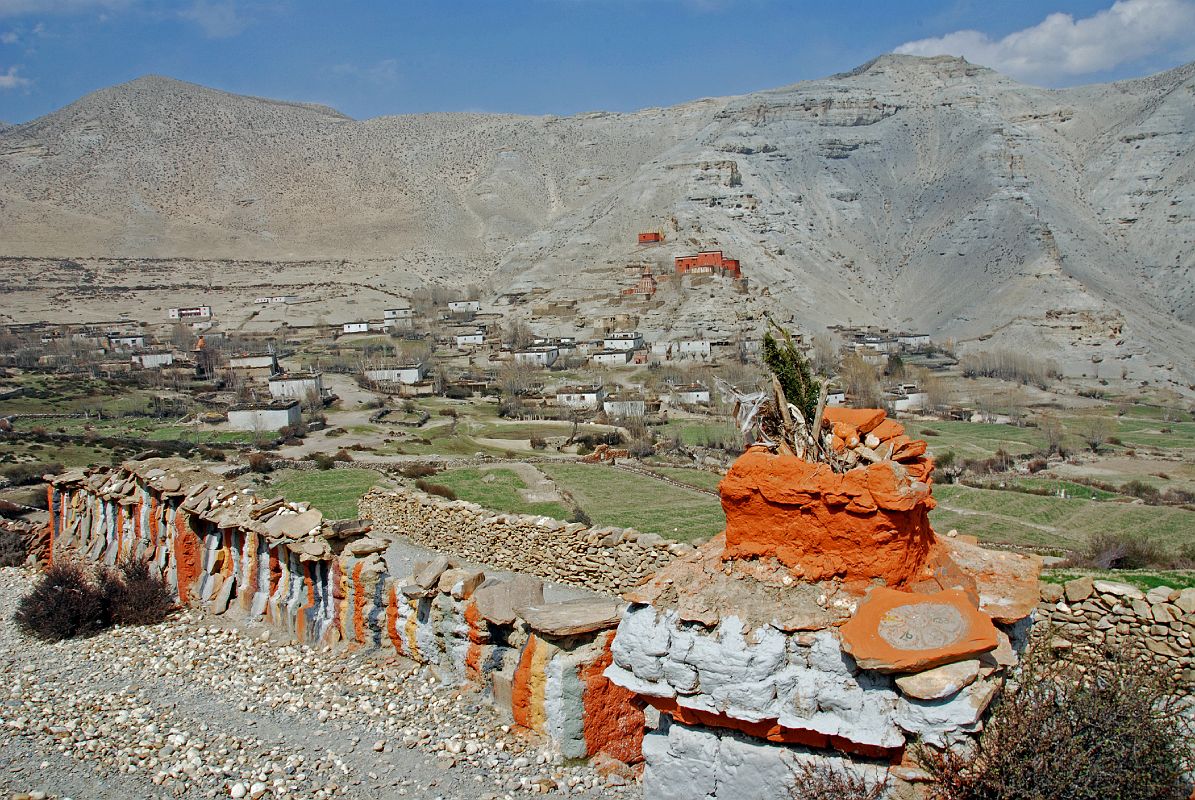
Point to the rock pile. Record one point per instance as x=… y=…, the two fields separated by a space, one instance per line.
x=608 y=560
x=1157 y=626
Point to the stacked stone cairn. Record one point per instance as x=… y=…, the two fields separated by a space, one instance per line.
x=827 y=628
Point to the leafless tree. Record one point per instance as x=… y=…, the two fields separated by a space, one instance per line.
x=1094 y=430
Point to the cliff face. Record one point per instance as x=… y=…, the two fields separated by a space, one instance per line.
x=918 y=193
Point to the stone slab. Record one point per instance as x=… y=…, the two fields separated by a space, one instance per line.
x=572 y=617
x=895 y=631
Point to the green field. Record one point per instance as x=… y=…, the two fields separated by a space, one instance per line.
x=699 y=432
x=976 y=439
x=700 y=478
x=500 y=492
x=1052 y=522
x=335 y=492
x=1143 y=579
x=623 y=499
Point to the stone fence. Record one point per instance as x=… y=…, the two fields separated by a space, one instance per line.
x=608 y=560
x=222 y=549
x=1157 y=627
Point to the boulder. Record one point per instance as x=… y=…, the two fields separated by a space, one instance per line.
x=1118 y=589
x=365 y=546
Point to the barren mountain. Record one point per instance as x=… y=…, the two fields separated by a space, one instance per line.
x=916 y=193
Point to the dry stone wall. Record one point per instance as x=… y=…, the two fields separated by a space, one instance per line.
x=1157 y=626
x=224 y=550
x=607 y=560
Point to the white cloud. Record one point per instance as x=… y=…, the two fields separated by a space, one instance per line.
x=218 y=20
x=381 y=73
x=11 y=80
x=17 y=8
x=9 y=37
x=1061 y=47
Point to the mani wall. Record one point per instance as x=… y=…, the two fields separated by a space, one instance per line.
x=230 y=552
x=607 y=560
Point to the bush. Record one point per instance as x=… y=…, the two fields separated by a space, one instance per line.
x=12 y=549
x=820 y=781
x=417 y=470
x=322 y=460
x=25 y=474
x=1098 y=727
x=1121 y=550
x=457 y=393
x=63 y=604
x=141 y=598
x=1145 y=491
x=448 y=412
x=538 y=443
x=435 y=488
x=641 y=448
x=260 y=462
x=342 y=455
x=1036 y=465
x=580 y=516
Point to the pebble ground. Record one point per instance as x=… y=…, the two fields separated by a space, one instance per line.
x=203 y=708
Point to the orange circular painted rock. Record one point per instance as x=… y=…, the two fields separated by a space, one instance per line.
x=895 y=631
x=862 y=525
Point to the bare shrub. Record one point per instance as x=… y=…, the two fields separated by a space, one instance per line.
x=417 y=471
x=142 y=598
x=260 y=462
x=437 y=489
x=322 y=460
x=64 y=603
x=538 y=443
x=1122 y=550
x=823 y=781
x=1083 y=727
x=1036 y=465
x=12 y=549
x=342 y=455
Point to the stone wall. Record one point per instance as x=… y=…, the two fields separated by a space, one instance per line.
x=224 y=550
x=1158 y=626
x=609 y=560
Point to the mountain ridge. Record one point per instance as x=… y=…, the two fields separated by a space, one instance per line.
x=910 y=192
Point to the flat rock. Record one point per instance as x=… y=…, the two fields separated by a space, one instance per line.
x=895 y=631
x=1079 y=589
x=292 y=526
x=427 y=573
x=497 y=600
x=1186 y=601
x=1118 y=589
x=940 y=682
x=572 y=617
x=1007 y=583
x=365 y=546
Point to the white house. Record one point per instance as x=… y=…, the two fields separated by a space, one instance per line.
x=126 y=341
x=580 y=396
x=277 y=299
x=153 y=360
x=193 y=312
x=299 y=386
x=355 y=327
x=693 y=394
x=611 y=358
x=694 y=348
x=621 y=405
x=662 y=350
x=836 y=397
x=407 y=374
x=265 y=416
x=398 y=317
x=544 y=356
x=908 y=398
x=254 y=361
x=623 y=340
x=913 y=341
x=464 y=306
x=470 y=339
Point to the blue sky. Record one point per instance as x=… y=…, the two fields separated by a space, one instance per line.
x=554 y=56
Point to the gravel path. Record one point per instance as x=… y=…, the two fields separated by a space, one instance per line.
x=196 y=708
